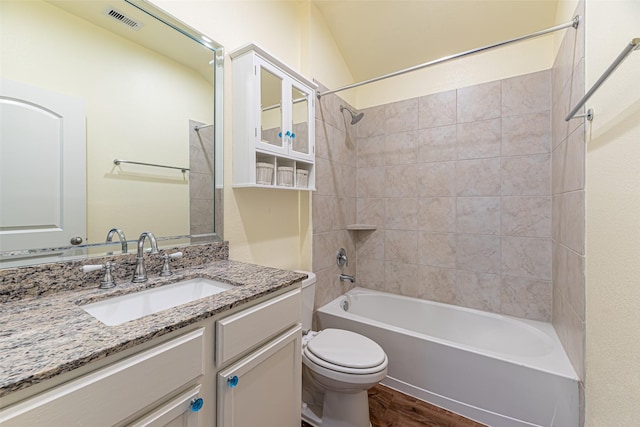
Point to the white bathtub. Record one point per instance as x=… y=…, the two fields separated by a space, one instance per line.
x=498 y=370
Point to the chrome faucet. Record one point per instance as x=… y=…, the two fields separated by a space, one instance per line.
x=347 y=278
x=123 y=239
x=140 y=275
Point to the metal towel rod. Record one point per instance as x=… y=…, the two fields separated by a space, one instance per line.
x=573 y=23
x=634 y=44
x=118 y=161
x=198 y=127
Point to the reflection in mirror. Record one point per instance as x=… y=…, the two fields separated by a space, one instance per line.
x=300 y=126
x=271 y=103
x=142 y=90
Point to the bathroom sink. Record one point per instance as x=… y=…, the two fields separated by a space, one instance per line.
x=117 y=310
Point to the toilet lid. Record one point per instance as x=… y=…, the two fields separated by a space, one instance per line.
x=347 y=349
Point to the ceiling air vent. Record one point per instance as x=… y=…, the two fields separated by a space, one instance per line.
x=122 y=18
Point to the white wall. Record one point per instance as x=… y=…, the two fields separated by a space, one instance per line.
x=612 y=211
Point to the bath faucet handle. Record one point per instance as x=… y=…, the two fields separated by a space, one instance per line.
x=166 y=269
x=107 y=281
x=341 y=258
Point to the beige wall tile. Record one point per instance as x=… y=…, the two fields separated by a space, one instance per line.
x=526 y=175
x=324 y=213
x=526 y=134
x=437 y=214
x=400 y=181
x=401 y=148
x=370 y=151
x=569 y=277
x=401 y=116
x=478 y=290
x=480 y=139
x=370 y=274
x=529 y=93
x=478 y=215
x=401 y=214
x=478 y=177
x=370 y=245
x=479 y=102
x=528 y=257
x=371 y=182
x=568 y=163
x=400 y=246
x=437 y=110
x=528 y=298
x=370 y=211
x=436 y=179
x=478 y=253
x=437 y=284
x=570 y=220
x=437 y=249
x=526 y=216
x=437 y=144
x=370 y=125
x=400 y=277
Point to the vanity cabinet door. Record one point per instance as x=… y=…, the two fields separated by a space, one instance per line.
x=116 y=392
x=264 y=388
x=183 y=411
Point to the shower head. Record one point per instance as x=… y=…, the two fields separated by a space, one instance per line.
x=355 y=118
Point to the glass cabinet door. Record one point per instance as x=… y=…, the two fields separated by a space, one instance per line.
x=300 y=122
x=271 y=115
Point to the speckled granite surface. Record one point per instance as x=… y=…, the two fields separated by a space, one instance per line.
x=41 y=337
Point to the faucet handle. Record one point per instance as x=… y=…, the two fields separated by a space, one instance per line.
x=107 y=281
x=166 y=270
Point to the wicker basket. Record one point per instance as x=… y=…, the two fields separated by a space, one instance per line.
x=285 y=176
x=302 y=178
x=264 y=173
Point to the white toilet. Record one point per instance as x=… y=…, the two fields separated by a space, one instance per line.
x=338 y=367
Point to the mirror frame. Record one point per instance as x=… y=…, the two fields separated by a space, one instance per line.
x=14 y=258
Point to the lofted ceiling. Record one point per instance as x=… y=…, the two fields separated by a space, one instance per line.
x=377 y=37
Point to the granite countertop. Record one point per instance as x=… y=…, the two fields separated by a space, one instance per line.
x=46 y=336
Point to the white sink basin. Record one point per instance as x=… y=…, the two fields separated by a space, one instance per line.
x=117 y=310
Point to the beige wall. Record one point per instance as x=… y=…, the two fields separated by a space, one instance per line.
x=72 y=58
x=613 y=229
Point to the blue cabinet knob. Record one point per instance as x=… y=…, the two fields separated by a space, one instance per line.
x=293 y=135
x=233 y=381
x=196 y=404
x=279 y=134
x=288 y=133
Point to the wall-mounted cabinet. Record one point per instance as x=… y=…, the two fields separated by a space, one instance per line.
x=273 y=123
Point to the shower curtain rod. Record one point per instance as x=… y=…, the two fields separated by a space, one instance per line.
x=573 y=23
x=634 y=44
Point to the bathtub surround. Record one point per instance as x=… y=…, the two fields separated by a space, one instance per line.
x=459 y=185
x=568 y=192
x=334 y=201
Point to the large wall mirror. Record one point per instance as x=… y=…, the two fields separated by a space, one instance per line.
x=111 y=118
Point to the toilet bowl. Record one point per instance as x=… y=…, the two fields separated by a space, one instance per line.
x=339 y=367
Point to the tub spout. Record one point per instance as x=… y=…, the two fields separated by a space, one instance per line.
x=347 y=278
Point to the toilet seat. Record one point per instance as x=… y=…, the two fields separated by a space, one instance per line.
x=346 y=352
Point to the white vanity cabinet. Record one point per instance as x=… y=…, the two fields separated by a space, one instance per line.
x=273 y=123
x=262 y=387
x=111 y=395
x=159 y=383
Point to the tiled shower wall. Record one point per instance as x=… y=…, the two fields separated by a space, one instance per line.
x=459 y=186
x=568 y=188
x=334 y=201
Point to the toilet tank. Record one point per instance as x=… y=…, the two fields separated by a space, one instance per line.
x=308 y=296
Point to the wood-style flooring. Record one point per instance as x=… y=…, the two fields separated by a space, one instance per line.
x=390 y=408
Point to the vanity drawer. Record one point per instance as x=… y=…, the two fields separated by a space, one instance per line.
x=239 y=332
x=115 y=392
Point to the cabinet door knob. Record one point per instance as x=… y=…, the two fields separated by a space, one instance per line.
x=196 y=404
x=233 y=381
